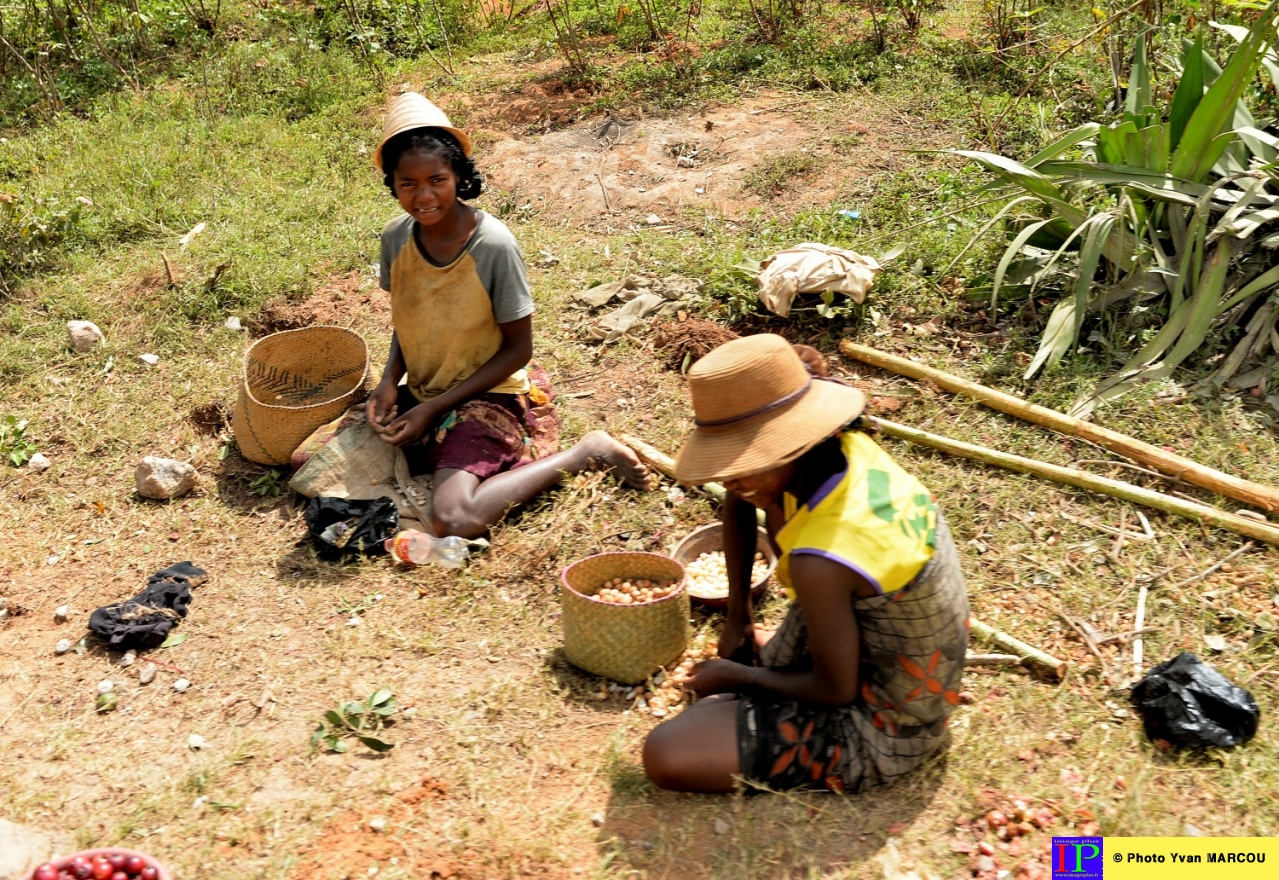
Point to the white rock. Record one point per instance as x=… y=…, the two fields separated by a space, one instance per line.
x=128 y=659
x=60 y=613
x=652 y=220
x=146 y=673
x=4 y=612
x=106 y=686
x=181 y=685
x=149 y=359
x=721 y=827
x=1215 y=642
x=195 y=741
x=62 y=646
x=163 y=478
x=233 y=323
x=39 y=463
x=598 y=820
x=198 y=803
x=83 y=335
x=378 y=824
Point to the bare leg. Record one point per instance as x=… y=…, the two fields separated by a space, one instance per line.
x=697 y=750
x=463 y=504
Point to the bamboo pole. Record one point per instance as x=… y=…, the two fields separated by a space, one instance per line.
x=663 y=463
x=1255 y=494
x=1027 y=653
x=1083 y=480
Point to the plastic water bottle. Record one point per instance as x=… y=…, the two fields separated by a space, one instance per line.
x=419 y=548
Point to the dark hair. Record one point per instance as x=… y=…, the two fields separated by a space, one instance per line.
x=436 y=142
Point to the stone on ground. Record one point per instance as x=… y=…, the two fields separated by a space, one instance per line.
x=84 y=335
x=163 y=478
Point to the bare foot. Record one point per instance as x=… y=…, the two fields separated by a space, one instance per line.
x=763 y=634
x=602 y=450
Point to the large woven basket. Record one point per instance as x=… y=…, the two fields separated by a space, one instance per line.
x=626 y=643
x=294 y=382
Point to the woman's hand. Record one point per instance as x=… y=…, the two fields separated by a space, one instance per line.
x=411 y=426
x=718 y=676
x=737 y=643
x=381 y=409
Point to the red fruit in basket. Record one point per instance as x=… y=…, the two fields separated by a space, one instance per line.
x=119 y=875
x=118 y=860
x=101 y=868
x=80 y=868
x=47 y=871
x=134 y=865
x=150 y=872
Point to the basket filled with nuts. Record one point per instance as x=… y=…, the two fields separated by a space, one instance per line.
x=702 y=555
x=109 y=862
x=625 y=614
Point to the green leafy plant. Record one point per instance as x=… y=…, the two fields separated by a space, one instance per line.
x=14 y=445
x=1166 y=225
x=358 y=720
x=267 y=483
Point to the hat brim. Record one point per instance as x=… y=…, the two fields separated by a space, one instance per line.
x=463 y=140
x=770 y=440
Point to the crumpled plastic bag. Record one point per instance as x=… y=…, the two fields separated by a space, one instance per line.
x=813 y=268
x=343 y=527
x=1188 y=703
x=642 y=296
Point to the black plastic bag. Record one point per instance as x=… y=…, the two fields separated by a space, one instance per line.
x=342 y=527
x=1188 y=703
x=146 y=620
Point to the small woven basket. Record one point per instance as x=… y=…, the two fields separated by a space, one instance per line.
x=626 y=643
x=294 y=382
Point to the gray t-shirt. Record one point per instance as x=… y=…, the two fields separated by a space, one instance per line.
x=499 y=264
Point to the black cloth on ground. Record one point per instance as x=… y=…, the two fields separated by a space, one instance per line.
x=146 y=620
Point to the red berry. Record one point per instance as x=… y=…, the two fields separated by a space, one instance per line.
x=47 y=871
x=150 y=872
x=81 y=868
x=102 y=869
x=117 y=860
x=119 y=875
x=135 y=864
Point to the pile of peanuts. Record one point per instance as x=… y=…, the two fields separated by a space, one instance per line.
x=620 y=591
x=664 y=695
x=708 y=574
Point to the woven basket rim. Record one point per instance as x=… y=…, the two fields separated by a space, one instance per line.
x=300 y=408
x=680 y=588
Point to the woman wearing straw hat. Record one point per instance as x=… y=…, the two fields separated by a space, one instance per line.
x=471 y=409
x=857 y=684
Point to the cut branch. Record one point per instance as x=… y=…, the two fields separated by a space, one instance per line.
x=1256 y=494
x=1028 y=654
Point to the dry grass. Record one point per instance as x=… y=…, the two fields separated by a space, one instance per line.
x=508 y=756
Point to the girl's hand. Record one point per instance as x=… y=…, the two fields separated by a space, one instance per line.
x=381 y=409
x=718 y=676
x=411 y=426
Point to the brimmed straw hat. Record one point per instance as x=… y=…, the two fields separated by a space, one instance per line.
x=409 y=111
x=756 y=407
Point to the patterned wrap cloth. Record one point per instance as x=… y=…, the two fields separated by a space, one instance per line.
x=913 y=643
x=491 y=433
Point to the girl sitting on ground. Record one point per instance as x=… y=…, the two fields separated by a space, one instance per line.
x=473 y=410
x=856 y=686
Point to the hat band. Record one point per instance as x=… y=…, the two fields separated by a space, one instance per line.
x=768 y=407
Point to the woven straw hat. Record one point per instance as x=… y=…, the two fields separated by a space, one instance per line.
x=409 y=111
x=756 y=407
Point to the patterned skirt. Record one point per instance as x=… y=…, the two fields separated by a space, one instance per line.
x=491 y=433
x=913 y=644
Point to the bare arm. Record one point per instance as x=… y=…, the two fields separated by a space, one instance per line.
x=824 y=589
x=513 y=354
x=737 y=642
